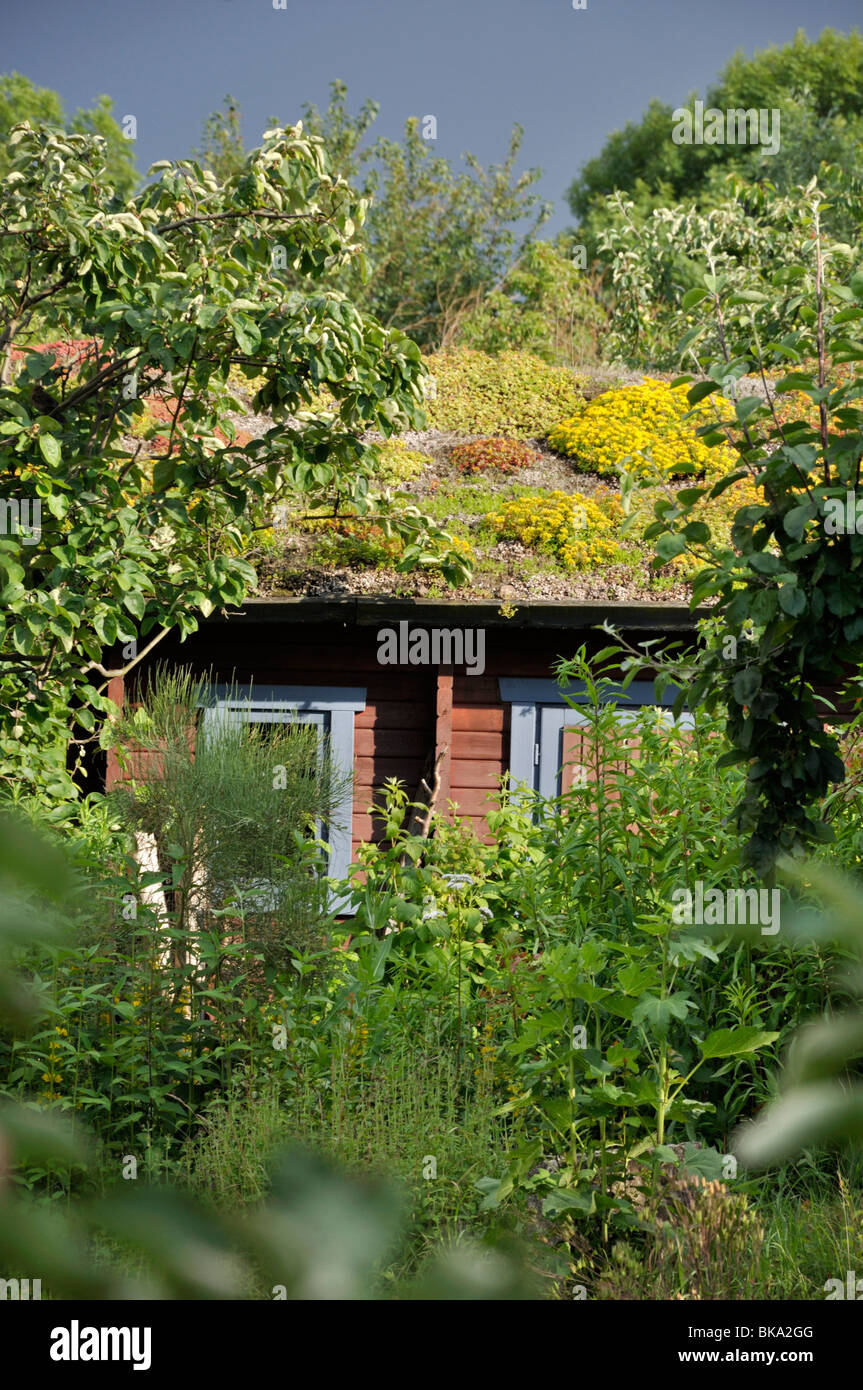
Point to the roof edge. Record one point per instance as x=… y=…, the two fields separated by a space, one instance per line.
x=369 y=610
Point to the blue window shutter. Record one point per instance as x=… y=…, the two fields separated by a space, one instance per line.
x=539 y=713
x=329 y=708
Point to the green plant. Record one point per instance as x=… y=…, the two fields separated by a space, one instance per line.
x=513 y=394
x=703 y=1242
x=234 y=809
x=439 y=239
x=42 y=108
x=647 y=429
x=822 y=1094
x=354 y=541
x=125 y=551
x=792 y=570
x=398 y=463
x=580 y=532
x=318 y=1234
x=815 y=83
x=547 y=305
x=813 y=1234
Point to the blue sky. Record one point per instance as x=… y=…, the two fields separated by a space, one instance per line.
x=569 y=77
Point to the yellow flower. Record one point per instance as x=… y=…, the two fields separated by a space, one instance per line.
x=578 y=530
x=617 y=428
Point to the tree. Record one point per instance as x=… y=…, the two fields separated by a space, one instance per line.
x=440 y=241
x=818 y=88
x=222 y=148
x=102 y=545
x=437 y=241
x=547 y=304
x=20 y=100
x=787 y=593
x=343 y=133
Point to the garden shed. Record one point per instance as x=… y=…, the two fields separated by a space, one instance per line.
x=451 y=726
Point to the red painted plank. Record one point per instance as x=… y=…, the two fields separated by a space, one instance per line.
x=394 y=714
x=366 y=828
x=479 y=718
x=467 y=744
x=373 y=772
x=371 y=743
x=475 y=773
x=473 y=801
x=476 y=690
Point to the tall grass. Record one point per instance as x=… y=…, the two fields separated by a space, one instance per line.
x=407 y=1117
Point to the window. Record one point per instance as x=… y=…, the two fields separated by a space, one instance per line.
x=329 y=709
x=545 y=738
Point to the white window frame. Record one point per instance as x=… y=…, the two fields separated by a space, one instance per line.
x=539 y=714
x=329 y=708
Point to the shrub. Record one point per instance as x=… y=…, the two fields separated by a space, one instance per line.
x=578 y=531
x=650 y=418
x=233 y=823
x=514 y=394
x=398 y=463
x=717 y=513
x=499 y=455
x=704 y=1242
x=358 y=541
x=355 y=541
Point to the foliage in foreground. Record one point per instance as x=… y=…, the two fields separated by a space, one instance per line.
x=318 y=1235
x=519 y=1032
x=786 y=590
x=102 y=548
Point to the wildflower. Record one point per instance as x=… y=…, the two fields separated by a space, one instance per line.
x=619 y=427
x=579 y=531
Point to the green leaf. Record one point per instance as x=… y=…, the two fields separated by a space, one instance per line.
x=746 y=684
x=564 y=1199
x=658 y=1013
x=701 y=390
x=668 y=546
x=135 y=603
x=747 y=406
x=735 y=1042
x=49 y=449
x=792 y=600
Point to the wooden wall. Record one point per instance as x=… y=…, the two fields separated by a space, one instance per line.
x=412 y=713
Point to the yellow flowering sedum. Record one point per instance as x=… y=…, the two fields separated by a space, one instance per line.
x=650 y=417
x=577 y=530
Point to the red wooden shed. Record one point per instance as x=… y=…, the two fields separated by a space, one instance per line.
x=465 y=722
